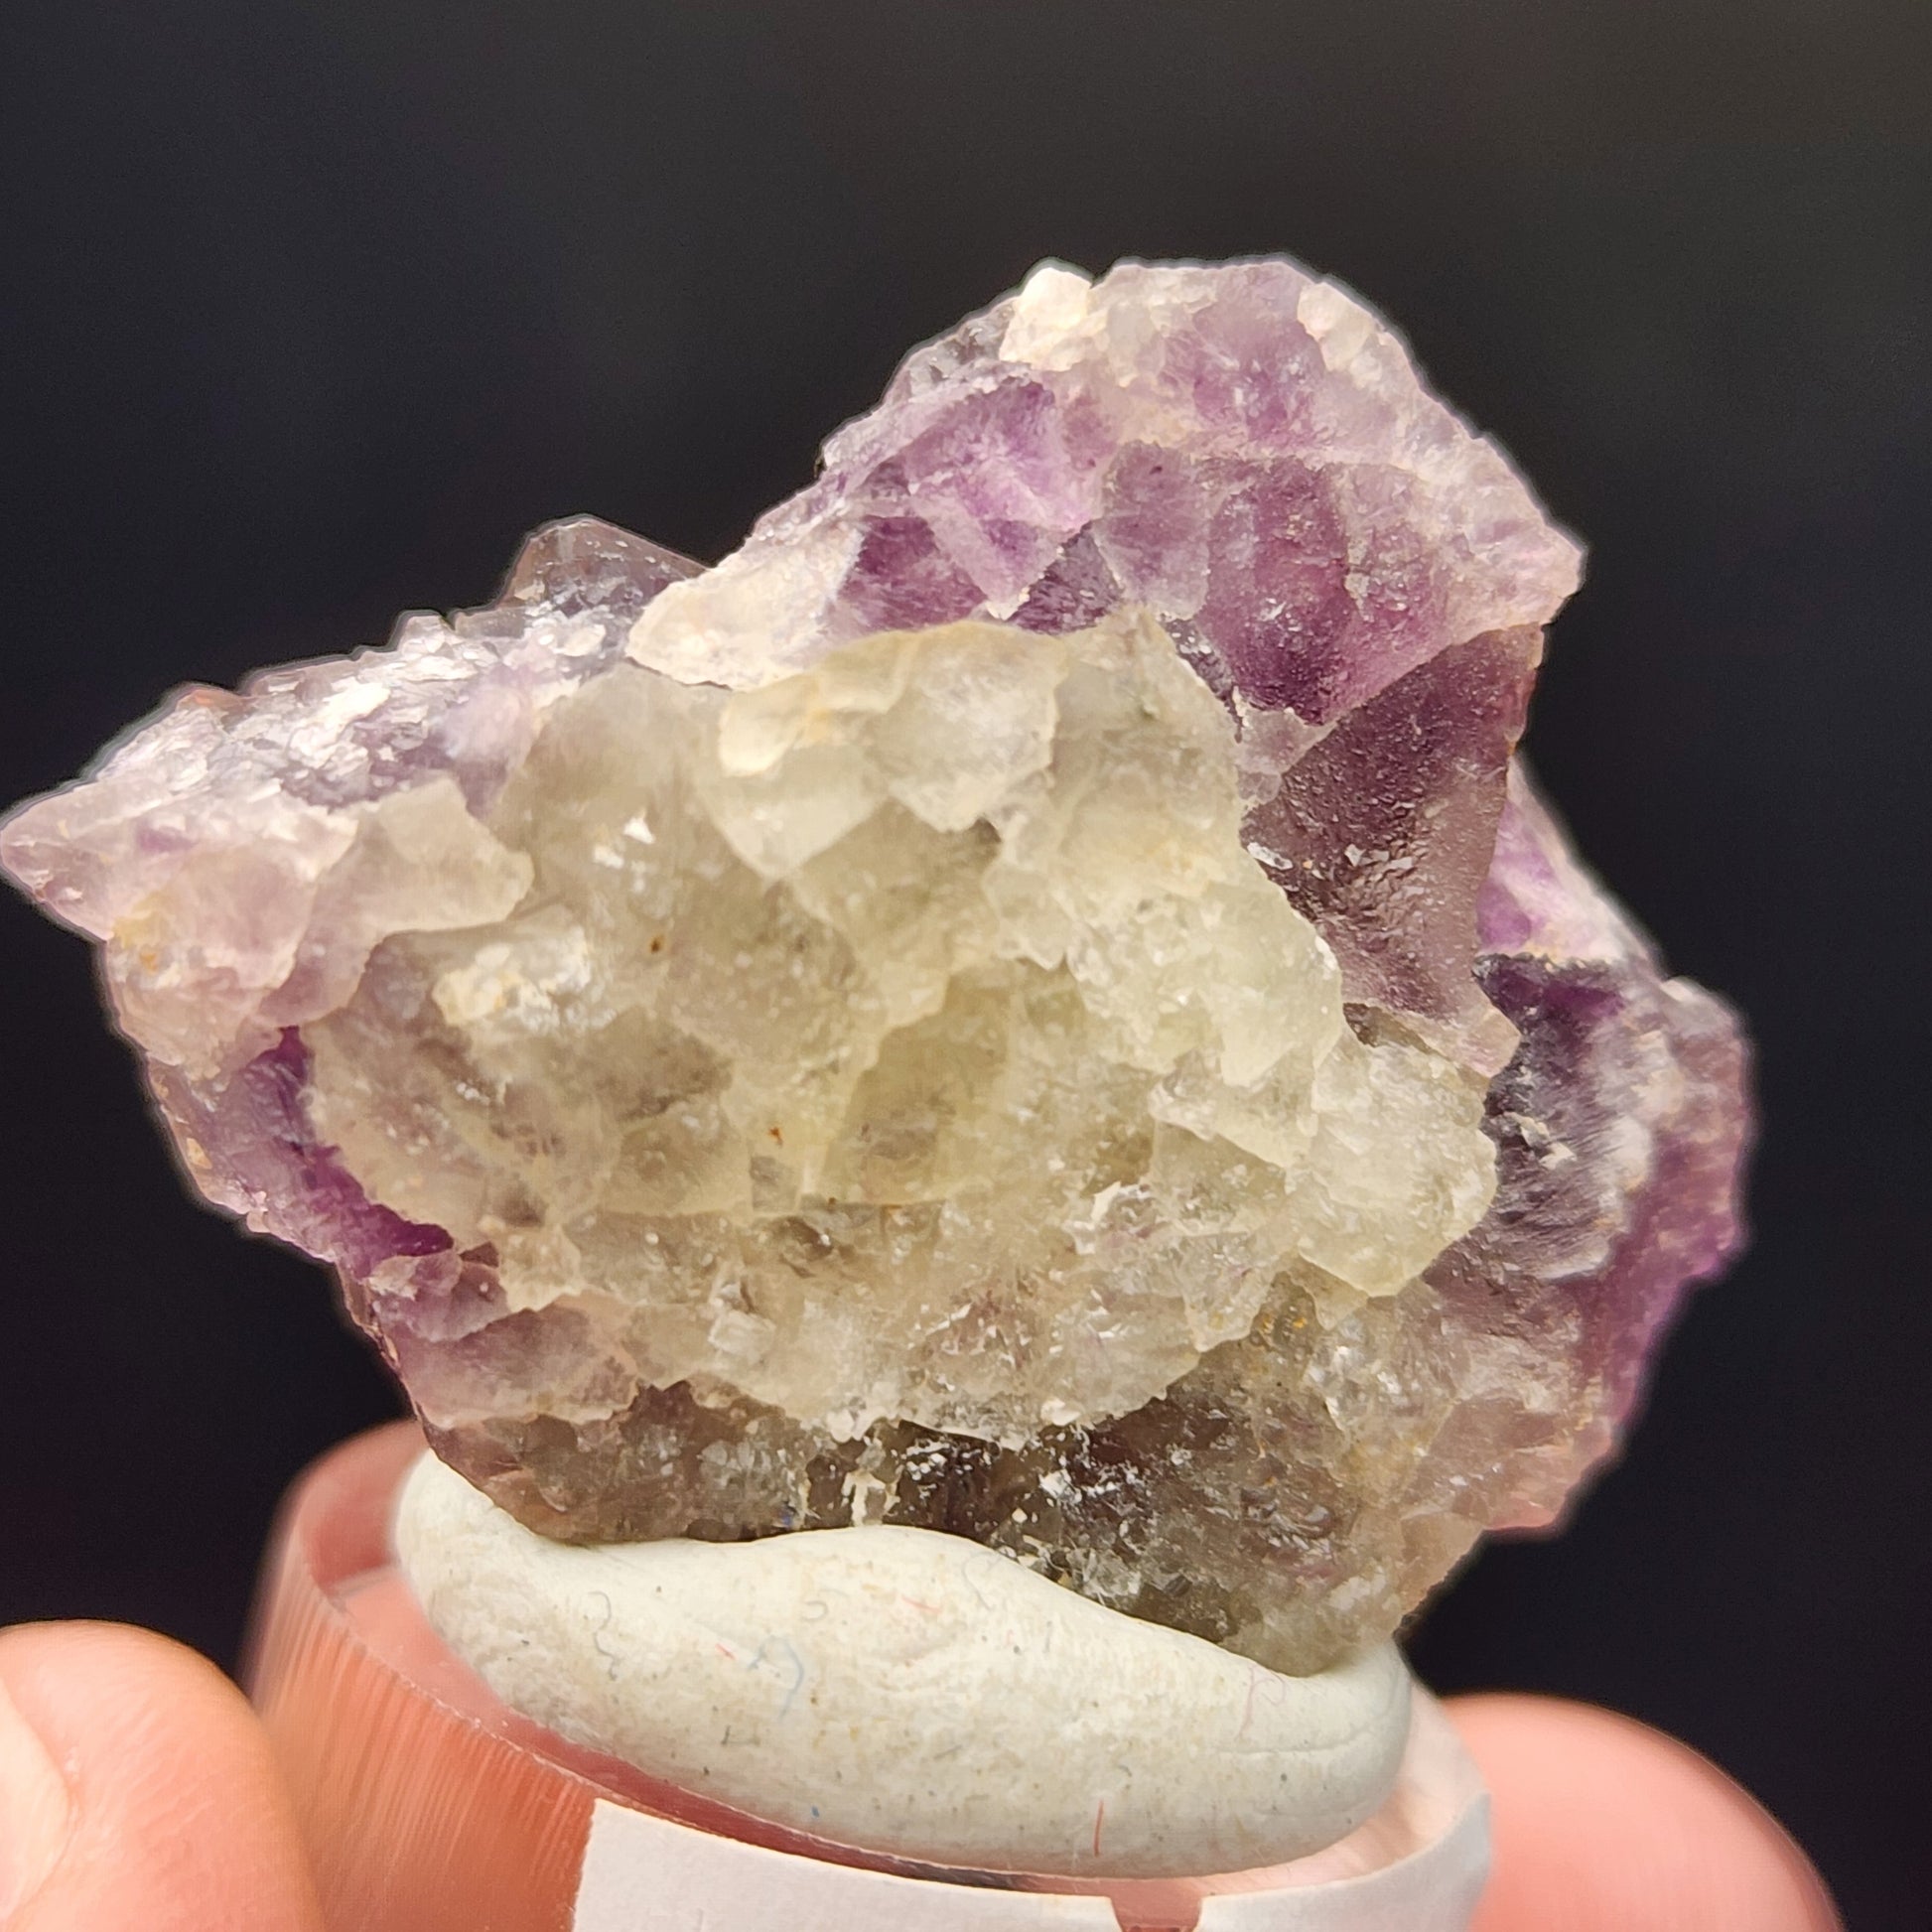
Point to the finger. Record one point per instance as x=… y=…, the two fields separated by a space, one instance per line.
x=1603 y=1825
x=136 y=1790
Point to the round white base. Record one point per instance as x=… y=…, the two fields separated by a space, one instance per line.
x=1417 y=1866
x=428 y=1805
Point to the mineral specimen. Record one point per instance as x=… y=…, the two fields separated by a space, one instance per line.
x=1033 y=1000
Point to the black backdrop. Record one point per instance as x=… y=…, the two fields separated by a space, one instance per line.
x=310 y=310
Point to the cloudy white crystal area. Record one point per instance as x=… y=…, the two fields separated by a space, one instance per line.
x=907 y=1692
x=911 y=1038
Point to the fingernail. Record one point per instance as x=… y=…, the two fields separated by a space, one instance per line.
x=36 y=1810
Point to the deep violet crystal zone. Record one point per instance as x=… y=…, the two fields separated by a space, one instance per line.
x=773 y=1046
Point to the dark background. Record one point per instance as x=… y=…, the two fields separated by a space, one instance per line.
x=311 y=311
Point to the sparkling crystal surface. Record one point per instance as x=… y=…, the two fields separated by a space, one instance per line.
x=1034 y=998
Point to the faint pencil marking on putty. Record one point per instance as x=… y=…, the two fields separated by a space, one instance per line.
x=610 y=1657
x=971 y=1580
x=791 y=1656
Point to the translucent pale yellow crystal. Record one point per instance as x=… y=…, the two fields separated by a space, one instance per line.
x=910 y=1038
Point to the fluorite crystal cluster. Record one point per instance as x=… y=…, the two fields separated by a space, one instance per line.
x=1033 y=1000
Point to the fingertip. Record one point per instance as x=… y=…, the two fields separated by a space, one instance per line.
x=176 y=1819
x=1604 y=1825
x=36 y=1810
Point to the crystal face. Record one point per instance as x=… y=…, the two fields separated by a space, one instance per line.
x=1036 y=999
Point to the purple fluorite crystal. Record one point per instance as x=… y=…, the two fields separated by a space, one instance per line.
x=752 y=1072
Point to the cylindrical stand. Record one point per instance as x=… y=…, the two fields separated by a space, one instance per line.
x=429 y=1806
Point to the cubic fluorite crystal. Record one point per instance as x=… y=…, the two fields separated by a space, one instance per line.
x=1033 y=1000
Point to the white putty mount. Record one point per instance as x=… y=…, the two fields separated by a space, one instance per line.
x=913 y=1695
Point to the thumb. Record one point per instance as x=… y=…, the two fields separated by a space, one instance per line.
x=137 y=1790
x=1604 y=1825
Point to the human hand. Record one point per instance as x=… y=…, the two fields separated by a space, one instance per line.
x=1604 y=1825
x=137 y=1791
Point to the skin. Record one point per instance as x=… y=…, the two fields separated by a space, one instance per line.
x=136 y=1789
x=1604 y=1825
x=175 y=1819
